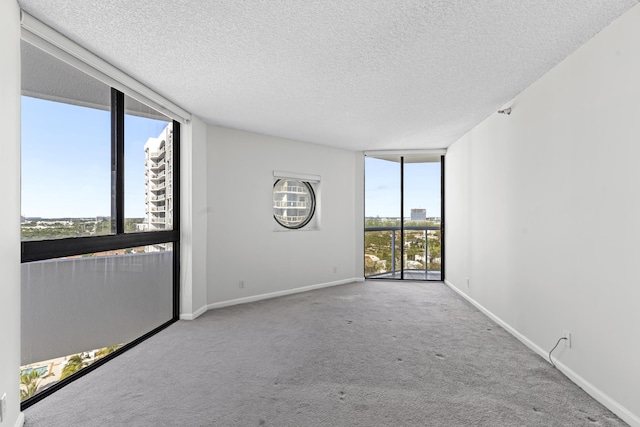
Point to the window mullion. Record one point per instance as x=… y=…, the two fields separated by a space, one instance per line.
x=117 y=162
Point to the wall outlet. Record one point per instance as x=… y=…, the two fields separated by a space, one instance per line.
x=467 y=282
x=567 y=341
x=241 y=284
x=3 y=407
x=335 y=269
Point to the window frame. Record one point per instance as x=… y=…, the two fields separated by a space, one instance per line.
x=39 y=250
x=312 y=194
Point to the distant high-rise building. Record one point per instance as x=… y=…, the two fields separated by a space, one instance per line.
x=159 y=181
x=418 y=214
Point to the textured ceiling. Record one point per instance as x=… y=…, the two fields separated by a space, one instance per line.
x=358 y=74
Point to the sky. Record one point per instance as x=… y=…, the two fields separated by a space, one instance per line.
x=66 y=160
x=382 y=188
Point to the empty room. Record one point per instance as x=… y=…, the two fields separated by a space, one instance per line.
x=320 y=213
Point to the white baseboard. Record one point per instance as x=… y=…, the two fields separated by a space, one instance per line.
x=615 y=407
x=280 y=293
x=20 y=420
x=194 y=315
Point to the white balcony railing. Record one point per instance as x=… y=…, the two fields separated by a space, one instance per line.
x=293 y=204
x=393 y=233
x=157 y=165
x=291 y=189
x=290 y=218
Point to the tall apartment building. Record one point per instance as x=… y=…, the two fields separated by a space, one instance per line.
x=418 y=214
x=159 y=182
x=293 y=203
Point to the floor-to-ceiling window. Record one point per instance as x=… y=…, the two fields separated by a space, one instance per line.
x=404 y=216
x=99 y=225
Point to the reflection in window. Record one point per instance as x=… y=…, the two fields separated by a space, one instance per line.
x=293 y=203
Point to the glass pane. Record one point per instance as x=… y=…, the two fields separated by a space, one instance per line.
x=293 y=203
x=382 y=218
x=422 y=207
x=78 y=309
x=66 y=150
x=381 y=247
x=148 y=204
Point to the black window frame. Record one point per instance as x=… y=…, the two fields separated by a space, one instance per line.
x=40 y=250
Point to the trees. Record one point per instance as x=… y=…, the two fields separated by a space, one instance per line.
x=378 y=243
x=107 y=350
x=435 y=251
x=74 y=364
x=30 y=381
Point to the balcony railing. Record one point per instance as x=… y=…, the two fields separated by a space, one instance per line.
x=155 y=177
x=157 y=165
x=123 y=297
x=291 y=219
x=286 y=204
x=422 y=258
x=292 y=189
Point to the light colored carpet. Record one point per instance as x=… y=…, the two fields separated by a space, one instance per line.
x=362 y=354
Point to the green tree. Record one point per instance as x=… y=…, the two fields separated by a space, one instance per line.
x=30 y=381
x=435 y=251
x=74 y=364
x=107 y=350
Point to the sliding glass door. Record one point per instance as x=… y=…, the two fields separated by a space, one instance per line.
x=403 y=217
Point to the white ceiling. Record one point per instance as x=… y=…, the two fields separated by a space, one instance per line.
x=356 y=74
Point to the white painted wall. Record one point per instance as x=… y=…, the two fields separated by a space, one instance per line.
x=10 y=212
x=359 y=214
x=242 y=243
x=193 y=219
x=543 y=215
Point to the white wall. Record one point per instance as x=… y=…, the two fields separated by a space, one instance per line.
x=543 y=215
x=193 y=219
x=359 y=215
x=10 y=212
x=242 y=243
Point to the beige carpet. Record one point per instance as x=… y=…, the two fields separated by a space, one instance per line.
x=365 y=354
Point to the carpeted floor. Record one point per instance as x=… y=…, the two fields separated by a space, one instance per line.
x=363 y=354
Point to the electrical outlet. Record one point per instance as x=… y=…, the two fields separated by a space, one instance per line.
x=467 y=282
x=335 y=269
x=567 y=341
x=241 y=284
x=3 y=407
